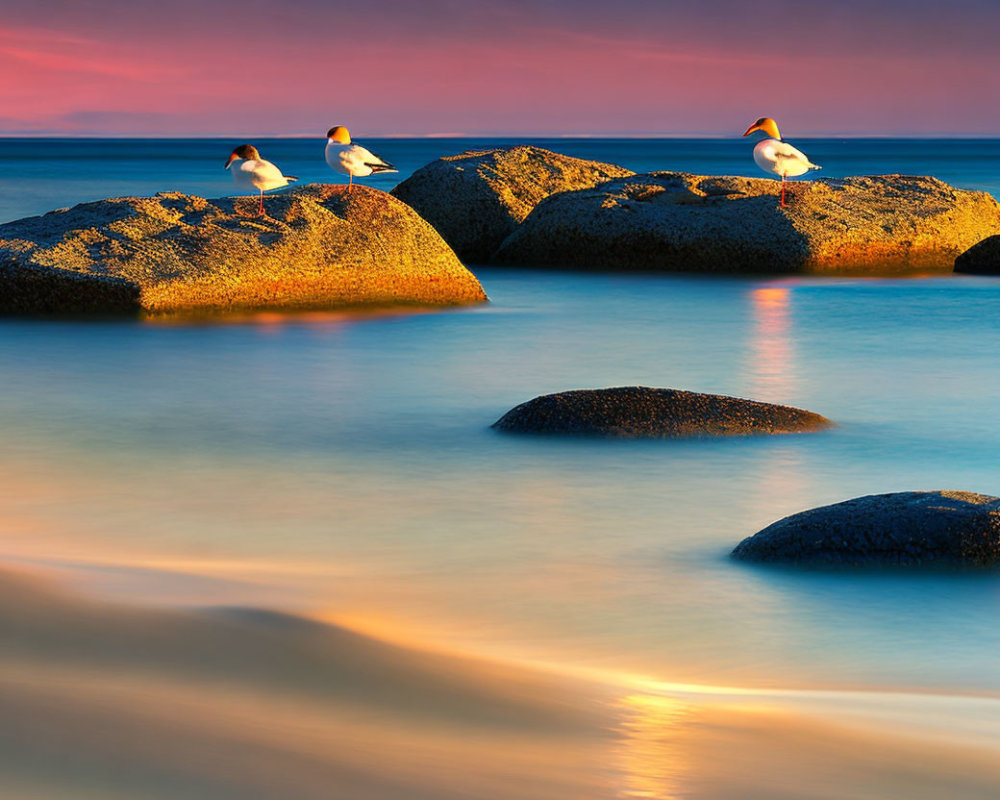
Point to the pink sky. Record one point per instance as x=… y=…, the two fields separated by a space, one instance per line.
x=545 y=67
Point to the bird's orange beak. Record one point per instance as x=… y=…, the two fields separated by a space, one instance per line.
x=232 y=158
x=767 y=125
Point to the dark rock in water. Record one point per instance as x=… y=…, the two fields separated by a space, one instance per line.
x=902 y=529
x=981 y=259
x=318 y=247
x=477 y=198
x=640 y=412
x=679 y=222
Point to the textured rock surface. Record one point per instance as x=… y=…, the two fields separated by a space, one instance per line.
x=905 y=528
x=981 y=259
x=675 y=221
x=476 y=199
x=640 y=412
x=317 y=248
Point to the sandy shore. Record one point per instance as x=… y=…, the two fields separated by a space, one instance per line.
x=109 y=701
x=106 y=701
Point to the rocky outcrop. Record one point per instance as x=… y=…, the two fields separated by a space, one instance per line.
x=318 y=247
x=680 y=222
x=641 y=412
x=476 y=199
x=905 y=529
x=981 y=259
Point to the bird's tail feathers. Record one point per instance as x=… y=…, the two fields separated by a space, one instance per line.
x=815 y=166
x=291 y=177
x=384 y=167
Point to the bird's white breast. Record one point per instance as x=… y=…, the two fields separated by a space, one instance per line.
x=257 y=174
x=348 y=159
x=772 y=155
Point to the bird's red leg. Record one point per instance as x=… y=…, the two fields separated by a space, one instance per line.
x=783 y=203
x=260 y=210
x=350 y=183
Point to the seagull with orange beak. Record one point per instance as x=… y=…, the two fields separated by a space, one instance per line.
x=775 y=155
x=352 y=159
x=250 y=172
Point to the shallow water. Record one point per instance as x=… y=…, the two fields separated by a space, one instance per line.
x=342 y=466
x=362 y=446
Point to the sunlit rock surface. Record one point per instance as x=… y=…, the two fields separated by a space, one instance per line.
x=641 y=412
x=681 y=222
x=981 y=259
x=477 y=198
x=317 y=247
x=943 y=528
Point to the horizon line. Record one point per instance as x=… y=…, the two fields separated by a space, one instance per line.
x=433 y=136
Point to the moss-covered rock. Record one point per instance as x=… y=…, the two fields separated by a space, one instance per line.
x=641 y=412
x=680 y=222
x=981 y=259
x=476 y=199
x=318 y=247
x=911 y=529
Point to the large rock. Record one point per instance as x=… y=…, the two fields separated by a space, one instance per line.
x=680 y=222
x=981 y=259
x=316 y=248
x=641 y=412
x=476 y=199
x=905 y=528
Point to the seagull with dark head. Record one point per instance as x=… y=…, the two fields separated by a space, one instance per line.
x=251 y=172
x=352 y=159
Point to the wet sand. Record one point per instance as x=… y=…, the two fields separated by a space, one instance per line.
x=104 y=700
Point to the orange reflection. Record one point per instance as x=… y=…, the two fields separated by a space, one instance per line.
x=771 y=357
x=277 y=318
x=652 y=752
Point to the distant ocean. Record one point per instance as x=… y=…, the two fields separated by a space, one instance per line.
x=43 y=174
x=342 y=466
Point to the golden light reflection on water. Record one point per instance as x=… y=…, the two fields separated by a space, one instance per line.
x=275 y=320
x=772 y=359
x=772 y=376
x=652 y=755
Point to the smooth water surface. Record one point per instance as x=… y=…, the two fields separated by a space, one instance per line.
x=343 y=466
x=40 y=175
x=350 y=461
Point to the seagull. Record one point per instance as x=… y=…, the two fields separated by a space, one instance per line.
x=352 y=159
x=777 y=156
x=250 y=172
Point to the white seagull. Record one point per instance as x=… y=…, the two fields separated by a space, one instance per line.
x=777 y=156
x=250 y=172
x=352 y=159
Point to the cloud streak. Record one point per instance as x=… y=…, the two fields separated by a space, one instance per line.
x=525 y=67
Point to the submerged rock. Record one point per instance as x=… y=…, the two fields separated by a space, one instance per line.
x=641 y=412
x=318 y=247
x=904 y=528
x=680 y=222
x=477 y=198
x=981 y=259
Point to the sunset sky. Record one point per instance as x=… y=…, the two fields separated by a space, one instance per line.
x=494 y=67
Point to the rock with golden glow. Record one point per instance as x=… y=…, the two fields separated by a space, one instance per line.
x=680 y=222
x=981 y=259
x=911 y=529
x=640 y=412
x=477 y=198
x=318 y=247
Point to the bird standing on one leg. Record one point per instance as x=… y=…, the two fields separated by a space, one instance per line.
x=352 y=159
x=775 y=155
x=250 y=171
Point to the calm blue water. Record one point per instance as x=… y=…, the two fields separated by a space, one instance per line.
x=345 y=463
x=43 y=174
